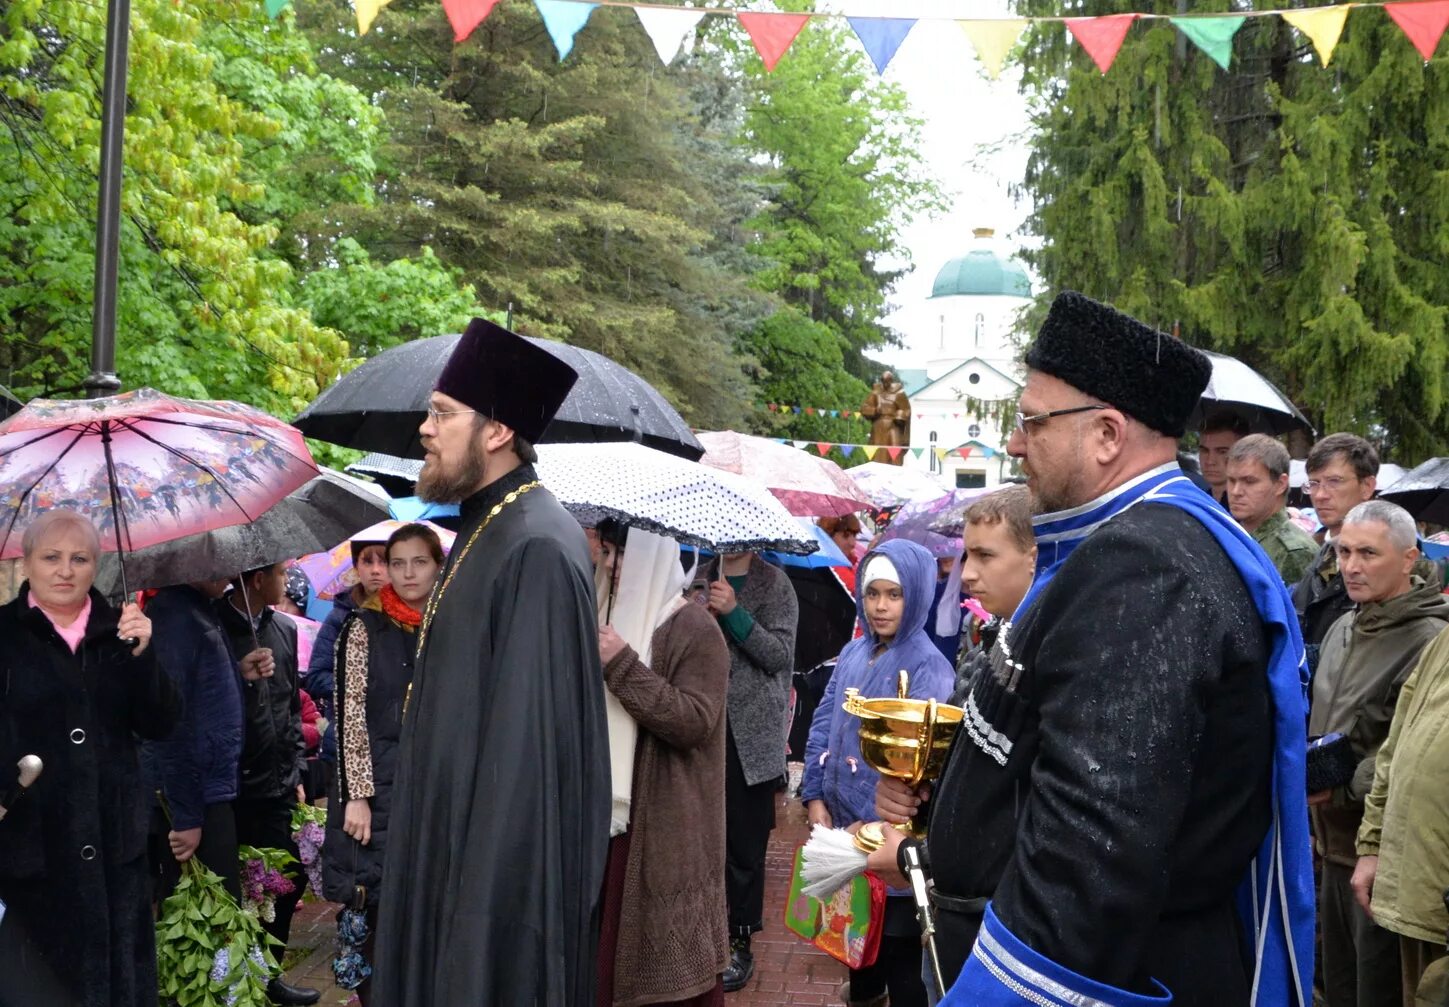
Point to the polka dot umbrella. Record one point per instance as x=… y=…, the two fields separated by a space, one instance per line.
x=667 y=495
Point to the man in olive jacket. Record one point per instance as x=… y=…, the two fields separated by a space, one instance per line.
x=758 y=612
x=1366 y=656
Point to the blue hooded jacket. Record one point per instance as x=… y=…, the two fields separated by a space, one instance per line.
x=834 y=769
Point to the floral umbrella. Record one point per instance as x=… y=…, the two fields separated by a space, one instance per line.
x=145 y=467
x=806 y=485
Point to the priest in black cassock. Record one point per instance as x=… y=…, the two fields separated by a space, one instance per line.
x=500 y=820
x=1122 y=819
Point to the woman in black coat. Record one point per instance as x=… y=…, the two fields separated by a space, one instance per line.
x=374 y=668
x=77 y=685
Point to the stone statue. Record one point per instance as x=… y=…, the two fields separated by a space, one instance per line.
x=889 y=411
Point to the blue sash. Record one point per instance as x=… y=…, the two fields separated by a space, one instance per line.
x=1275 y=900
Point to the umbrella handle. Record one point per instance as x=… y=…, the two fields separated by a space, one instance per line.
x=116 y=518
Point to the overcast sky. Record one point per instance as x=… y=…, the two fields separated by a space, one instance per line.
x=964 y=114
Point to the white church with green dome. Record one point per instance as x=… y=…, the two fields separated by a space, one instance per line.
x=959 y=346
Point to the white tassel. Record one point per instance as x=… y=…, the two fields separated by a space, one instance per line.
x=830 y=860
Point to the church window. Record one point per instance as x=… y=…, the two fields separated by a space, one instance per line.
x=980 y=326
x=974 y=378
x=974 y=430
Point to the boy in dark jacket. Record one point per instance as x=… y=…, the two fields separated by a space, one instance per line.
x=273 y=756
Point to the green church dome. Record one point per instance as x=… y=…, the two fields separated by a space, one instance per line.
x=981 y=271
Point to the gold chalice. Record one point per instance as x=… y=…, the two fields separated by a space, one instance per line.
x=904 y=738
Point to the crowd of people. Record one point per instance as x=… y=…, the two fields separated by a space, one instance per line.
x=1190 y=728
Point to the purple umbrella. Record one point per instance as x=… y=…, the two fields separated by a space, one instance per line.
x=913 y=522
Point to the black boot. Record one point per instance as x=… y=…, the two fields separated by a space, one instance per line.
x=284 y=995
x=741 y=966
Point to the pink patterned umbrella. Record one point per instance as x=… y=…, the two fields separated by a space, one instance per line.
x=808 y=486
x=147 y=468
x=331 y=572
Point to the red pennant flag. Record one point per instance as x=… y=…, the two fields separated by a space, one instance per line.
x=1423 y=22
x=772 y=33
x=465 y=15
x=1101 y=36
x=964 y=453
x=809 y=410
x=823 y=447
x=772 y=406
x=895 y=453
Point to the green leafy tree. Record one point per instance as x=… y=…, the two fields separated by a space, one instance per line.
x=241 y=158
x=577 y=194
x=844 y=179
x=1292 y=215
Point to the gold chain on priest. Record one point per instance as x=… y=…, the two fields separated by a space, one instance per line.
x=437 y=597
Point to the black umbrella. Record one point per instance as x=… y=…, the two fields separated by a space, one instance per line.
x=321 y=513
x=379 y=406
x=1236 y=388
x=1423 y=491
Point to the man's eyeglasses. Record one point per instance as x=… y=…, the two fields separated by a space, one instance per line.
x=1039 y=418
x=1331 y=483
x=436 y=415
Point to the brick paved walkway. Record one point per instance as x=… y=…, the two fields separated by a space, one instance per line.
x=787 y=970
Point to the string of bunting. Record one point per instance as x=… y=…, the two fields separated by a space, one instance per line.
x=847 y=414
x=871 y=451
x=772 y=33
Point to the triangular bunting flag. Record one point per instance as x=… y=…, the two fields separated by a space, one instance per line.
x=1322 y=25
x=870 y=450
x=849 y=449
x=796 y=410
x=823 y=447
x=809 y=410
x=563 y=19
x=780 y=440
x=1424 y=22
x=367 y=13
x=772 y=33
x=895 y=453
x=1213 y=35
x=275 y=7
x=881 y=36
x=772 y=406
x=918 y=451
x=835 y=414
x=802 y=445
x=1101 y=36
x=940 y=454
x=920 y=416
x=992 y=40
x=667 y=28
x=465 y=15
x=964 y=452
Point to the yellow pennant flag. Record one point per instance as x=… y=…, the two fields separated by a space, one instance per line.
x=992 y=40
x=367 y=13
x=870 y=450
x=1322 y=25
x=941 y=454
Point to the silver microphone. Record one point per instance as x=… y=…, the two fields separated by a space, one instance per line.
x=30 y=768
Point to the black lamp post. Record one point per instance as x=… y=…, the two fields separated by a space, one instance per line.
x=103 y=380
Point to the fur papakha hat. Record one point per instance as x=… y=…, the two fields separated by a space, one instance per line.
x=1149 y=375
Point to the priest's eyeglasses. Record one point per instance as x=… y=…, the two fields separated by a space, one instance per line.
x=437 y=415
x=1022 y=422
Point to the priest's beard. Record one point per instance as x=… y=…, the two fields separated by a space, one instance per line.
x=437 y=484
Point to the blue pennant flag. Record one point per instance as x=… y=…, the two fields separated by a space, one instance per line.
x=881 y=36
x=563 y=19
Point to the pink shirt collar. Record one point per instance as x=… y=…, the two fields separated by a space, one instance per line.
x=76 y=631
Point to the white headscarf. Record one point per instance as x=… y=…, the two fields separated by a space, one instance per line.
x=651 y=589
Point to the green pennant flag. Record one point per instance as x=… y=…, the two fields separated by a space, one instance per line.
x=917 y=451
x=275 y=7
x=1213 y=35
